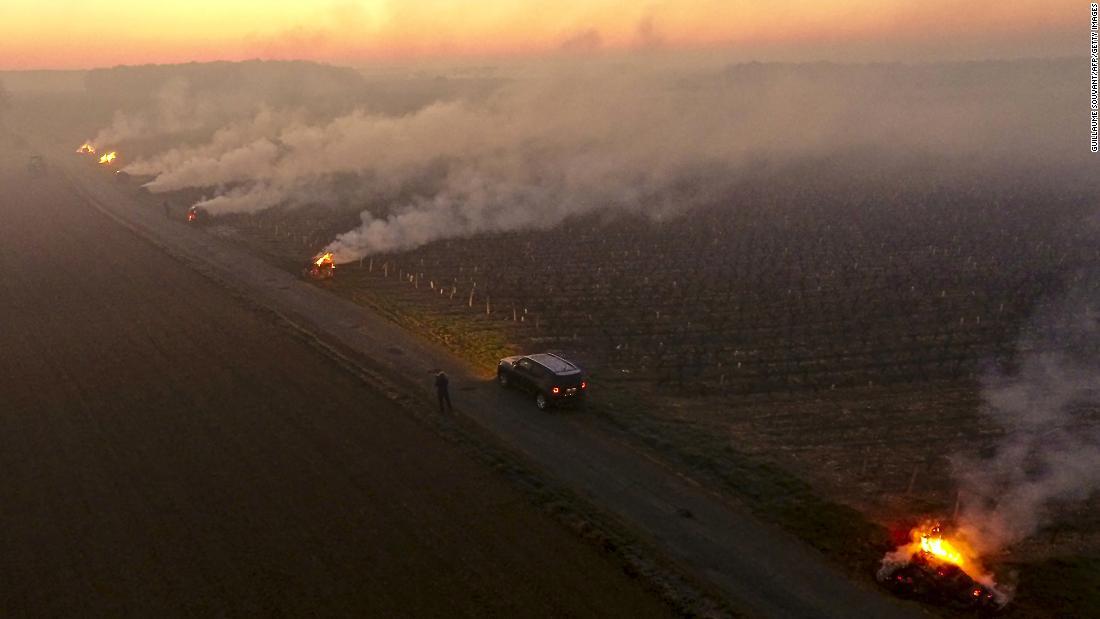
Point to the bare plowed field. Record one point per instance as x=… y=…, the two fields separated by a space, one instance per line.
x=167 y=450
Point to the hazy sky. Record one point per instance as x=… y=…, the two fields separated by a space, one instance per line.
x=91 y=33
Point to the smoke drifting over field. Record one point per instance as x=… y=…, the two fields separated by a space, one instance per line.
x=537 y=149
x=427 y=159
x=1050 y=412
x=173 y=112
x=188 y=102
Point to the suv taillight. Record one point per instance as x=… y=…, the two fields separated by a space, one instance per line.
x=583 y=384
x=555 y=390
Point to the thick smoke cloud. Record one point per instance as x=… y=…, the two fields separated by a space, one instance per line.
x=189 y=102
x=612 y=137
x=174 y=110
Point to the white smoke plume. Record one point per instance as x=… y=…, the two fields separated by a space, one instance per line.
x=224 y=142
x=626 y=136
x=1050 y=412
x=172 y=110
x=174 y=104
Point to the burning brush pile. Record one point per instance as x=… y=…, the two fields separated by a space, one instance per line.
x=942 y=570
x=322 y=267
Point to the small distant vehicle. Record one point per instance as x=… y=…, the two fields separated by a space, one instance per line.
x=121 y=177
x=36 y=165
x=195 y=215
x=553 y=379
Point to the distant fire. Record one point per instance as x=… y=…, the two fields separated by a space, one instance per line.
x=939 y=568
x=86 y=149
x=108 y=158
x=323 y=267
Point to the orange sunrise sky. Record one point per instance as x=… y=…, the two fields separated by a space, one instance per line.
x=77 y=34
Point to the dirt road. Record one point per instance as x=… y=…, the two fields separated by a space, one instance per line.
x=166 y=450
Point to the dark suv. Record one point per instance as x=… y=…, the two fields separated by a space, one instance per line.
x=551 y=378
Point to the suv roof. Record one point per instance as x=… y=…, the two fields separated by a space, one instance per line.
x=554 y=363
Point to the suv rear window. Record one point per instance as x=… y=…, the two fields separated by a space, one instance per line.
x=554 y=363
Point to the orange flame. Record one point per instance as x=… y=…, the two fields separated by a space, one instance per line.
x=932 y=544
x=108 y=158
x=929 y=541
x=325 y=259
x=86 y=149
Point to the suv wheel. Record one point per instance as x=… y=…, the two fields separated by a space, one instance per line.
x=502 y=378
x=541 y=401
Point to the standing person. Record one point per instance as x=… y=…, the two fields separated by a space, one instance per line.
x=441 y=382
